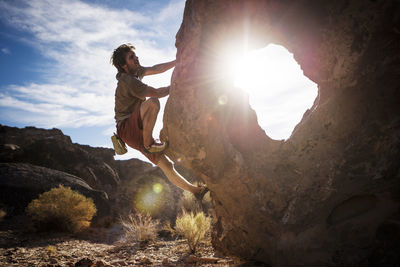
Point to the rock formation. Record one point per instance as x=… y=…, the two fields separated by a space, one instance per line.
x=327 y=196
x=34 y=160
x=54 y=150
x=22 y=182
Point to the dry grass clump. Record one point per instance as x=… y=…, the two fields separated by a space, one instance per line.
x=189 y=203
x=62 y=209
x=51 y=250
x=2 y=214
x=168 y=228
x=193 y=228
x=140 y=228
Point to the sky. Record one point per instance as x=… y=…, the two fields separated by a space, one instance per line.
x=55 y=70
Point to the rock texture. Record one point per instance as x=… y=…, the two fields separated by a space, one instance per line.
x=34 y=160
x=327 y=196
x=21 y=182
x=54 y=150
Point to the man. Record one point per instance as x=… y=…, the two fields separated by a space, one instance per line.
x=136 y=116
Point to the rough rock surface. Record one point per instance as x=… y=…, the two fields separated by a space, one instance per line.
x=127 y=183
x=54 y=150
x=327 y=196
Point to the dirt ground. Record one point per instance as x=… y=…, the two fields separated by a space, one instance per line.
x=99 y=247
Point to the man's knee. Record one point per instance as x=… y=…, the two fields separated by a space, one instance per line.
x=154 y=103
x=150 y=106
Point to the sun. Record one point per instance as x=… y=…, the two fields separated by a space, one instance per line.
x=266 y=70
x=278 y=90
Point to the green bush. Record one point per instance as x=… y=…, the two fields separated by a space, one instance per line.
x=193 y=228
x=62 y=209
x=140 y=228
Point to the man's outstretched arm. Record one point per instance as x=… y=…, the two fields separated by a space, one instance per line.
x=159 y=68
x=158 y=93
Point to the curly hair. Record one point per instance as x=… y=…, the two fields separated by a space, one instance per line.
x=118 y=56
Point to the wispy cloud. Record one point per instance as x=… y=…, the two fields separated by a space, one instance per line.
x=79 y=37
x=5 y=50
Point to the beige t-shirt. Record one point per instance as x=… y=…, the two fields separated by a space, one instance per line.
x=130 y=93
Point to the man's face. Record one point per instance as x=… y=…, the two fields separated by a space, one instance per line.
x=132 y=62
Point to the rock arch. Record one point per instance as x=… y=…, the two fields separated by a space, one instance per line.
x=321 y=197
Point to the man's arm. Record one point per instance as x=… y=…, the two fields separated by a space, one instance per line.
x=139 y=89
x=159 y=68
x=160 y=92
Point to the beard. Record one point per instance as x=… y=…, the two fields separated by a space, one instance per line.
x=133 y=69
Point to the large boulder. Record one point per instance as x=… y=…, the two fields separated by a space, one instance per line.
x=20 y=183
x=54 y=150
x=327 y=196
x=128 y=183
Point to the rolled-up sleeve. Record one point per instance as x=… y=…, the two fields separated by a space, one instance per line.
x=134 y=86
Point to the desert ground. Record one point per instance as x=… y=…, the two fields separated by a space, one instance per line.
x=99 y=247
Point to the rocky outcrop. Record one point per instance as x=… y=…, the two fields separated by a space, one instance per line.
x=327 y=196
x=54 y=150
x=125 y=183
x=21 y=182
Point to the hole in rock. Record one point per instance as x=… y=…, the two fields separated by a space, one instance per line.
x=278 y=91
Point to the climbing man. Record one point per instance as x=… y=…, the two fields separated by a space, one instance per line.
x=136 y=110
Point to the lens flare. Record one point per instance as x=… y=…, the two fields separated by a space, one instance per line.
x=222 y=100
x=153 y=196
x=148 y=201
x=157 y=188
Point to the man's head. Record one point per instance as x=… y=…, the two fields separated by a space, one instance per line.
x=125 y=59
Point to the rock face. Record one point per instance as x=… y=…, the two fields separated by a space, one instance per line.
x=21 y=182
x=327 y=196
x=35 y=160
x=54 y=150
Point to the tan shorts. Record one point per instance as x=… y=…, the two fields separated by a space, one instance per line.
x=130 y=131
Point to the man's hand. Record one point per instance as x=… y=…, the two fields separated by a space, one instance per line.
x=159 y=68
x=160 y=92
x=163 y=91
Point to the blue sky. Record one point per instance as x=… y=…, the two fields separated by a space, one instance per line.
x=55 y=70
x=54 y=56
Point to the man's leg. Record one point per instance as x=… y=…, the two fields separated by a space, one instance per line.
x=148 y=112
x=174 y=177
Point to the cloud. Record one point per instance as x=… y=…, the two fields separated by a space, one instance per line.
x=78 y=37
x=5 y=50
x=171 y=11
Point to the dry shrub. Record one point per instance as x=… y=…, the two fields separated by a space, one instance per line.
x=2 y=214
x=168 y=228
x=140 y=228
x=62 y=209
x=193 y=228
x=189 y=203
x=51 y=250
